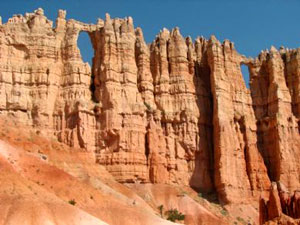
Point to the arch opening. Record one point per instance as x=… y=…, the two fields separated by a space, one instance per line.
x=246 y=74
x=87 y=52
x=86 y=48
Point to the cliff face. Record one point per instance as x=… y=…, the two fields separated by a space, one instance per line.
x=175 y=111
x=239 y=166
x=274 y=91
x=44 y=82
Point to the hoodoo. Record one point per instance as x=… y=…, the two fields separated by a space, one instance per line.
x=147 y=120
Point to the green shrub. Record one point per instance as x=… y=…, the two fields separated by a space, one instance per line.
x=240 y=219
x=148 y=106
x=174 y=215
x=72 y=202
x=161 y=210
x=224 y=212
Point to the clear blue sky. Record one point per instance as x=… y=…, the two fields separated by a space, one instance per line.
x=252 y=25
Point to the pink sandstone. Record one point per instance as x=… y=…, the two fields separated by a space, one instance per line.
x=173 y=111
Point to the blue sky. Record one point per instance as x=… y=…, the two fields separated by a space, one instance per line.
x=253 y=25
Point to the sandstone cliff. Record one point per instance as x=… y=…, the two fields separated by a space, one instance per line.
x=172 y=112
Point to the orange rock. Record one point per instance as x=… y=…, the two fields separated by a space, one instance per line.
x=239 y=166
x=272 y=87
x=173 y=112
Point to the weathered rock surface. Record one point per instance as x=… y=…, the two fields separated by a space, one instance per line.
x=274 y=76
x=239 y=167
x=281 y=207
x=145 y=111
x=174 y=111
x=39 y=176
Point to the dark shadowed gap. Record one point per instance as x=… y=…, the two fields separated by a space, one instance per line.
x=85 y=46
x=245 y=73
x=147 y=149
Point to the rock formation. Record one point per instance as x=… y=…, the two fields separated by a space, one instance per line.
x=239 y=167
x=274 y=92
x=174 y=111
x=280 y=207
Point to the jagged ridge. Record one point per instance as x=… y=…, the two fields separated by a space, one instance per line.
x=174 y=111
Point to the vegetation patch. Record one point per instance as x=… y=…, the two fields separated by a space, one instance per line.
x=173 y=215
x=161 y=210
x=224 y=212
x=72 y=202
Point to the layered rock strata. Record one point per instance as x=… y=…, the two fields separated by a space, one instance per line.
x=274 y=86
x=173 y=111
x=239 y=167
x=280 y=205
